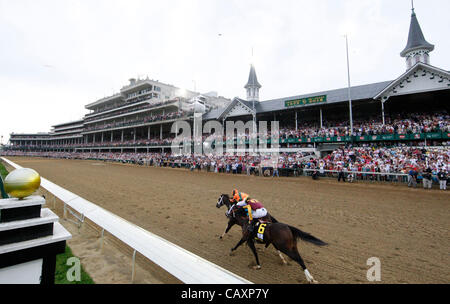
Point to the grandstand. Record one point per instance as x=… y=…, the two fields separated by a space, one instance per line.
x=135 y=124
x=143 y=110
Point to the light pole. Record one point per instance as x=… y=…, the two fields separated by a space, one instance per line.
x=349 y=95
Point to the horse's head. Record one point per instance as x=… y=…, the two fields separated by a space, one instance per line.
x=224 y=199
x=220 y=202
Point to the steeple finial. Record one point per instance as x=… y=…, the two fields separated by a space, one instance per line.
x=412 y=7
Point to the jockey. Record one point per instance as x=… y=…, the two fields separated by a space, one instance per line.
x=237 y=197
x=255 y=211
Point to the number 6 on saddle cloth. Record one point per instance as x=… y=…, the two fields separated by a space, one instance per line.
x=260 y=234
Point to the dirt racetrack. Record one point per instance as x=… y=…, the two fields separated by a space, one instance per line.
x=407 y=229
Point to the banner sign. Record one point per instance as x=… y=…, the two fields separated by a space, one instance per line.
x=305 y=101
x=367 y=138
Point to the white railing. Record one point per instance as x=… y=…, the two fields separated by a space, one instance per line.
x=182 y=264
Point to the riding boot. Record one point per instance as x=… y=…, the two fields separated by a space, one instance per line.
x=251 y=225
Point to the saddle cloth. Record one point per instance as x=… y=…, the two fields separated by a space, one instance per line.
x=261 y=227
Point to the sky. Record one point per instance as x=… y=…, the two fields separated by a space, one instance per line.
x=58 y=56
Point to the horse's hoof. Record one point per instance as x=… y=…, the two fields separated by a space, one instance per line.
x=312 y=281
x=257 y=267
x=231 y=253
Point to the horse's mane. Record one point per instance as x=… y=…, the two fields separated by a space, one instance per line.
x=240 y=211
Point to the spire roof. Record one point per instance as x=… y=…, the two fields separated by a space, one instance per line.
x=252 y=80
x=416 y=40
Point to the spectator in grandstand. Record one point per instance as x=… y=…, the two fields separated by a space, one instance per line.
x=442 y=177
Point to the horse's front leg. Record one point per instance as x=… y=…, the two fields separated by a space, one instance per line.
x=237 y=245
x=230 y=224
x=251 y=244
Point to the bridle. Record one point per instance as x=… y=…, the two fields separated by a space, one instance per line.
x=221 y=203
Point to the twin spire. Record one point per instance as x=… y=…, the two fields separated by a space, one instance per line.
x=252 y=85
x=417 y=48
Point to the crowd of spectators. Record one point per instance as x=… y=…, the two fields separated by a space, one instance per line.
x=128 y=110
x=138 y=120
x=385 y=162
x=399 y=124
x=130 y=102
x=365 y=159
x=245 y=163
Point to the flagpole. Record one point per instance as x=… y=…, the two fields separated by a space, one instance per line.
x=349 y=94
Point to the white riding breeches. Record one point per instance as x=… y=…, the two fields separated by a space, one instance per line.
x=259 y=213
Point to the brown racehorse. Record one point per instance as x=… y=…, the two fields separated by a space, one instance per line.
x=282 y=236
x=224 y=200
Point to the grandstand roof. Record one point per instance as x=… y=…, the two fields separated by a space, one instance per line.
x=368 y=91
x=79 y=121
x=362 y=92
x=103 y=100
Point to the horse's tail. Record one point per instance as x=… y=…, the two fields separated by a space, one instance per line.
x=307 y=237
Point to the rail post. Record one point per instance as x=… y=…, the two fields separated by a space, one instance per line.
x=102 y=238
x=133 y=271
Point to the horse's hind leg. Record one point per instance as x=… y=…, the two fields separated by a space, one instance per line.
x=251 y=244
x=279 y=253
x=293 y=254
x=282 y=257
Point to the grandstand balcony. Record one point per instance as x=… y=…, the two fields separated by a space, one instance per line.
x=68 y=125
x=129 y=110
x=112 y=109
x=67 y=132
x=29 y=138
x=106 y=103
x=71 y=127
x=69 y=136
x=141 y=122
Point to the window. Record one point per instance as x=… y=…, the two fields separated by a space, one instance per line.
x=416 y=58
